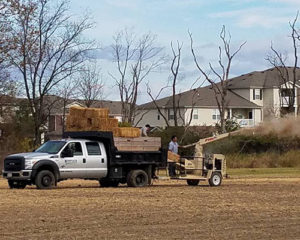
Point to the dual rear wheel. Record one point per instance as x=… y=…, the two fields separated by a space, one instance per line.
x=137 y=178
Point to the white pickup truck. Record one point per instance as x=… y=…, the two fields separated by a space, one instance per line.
x=85 y=155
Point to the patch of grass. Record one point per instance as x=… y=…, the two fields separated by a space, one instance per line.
x=263 y=172
x=264 y=160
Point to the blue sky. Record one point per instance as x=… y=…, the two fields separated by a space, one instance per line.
x=254 y=21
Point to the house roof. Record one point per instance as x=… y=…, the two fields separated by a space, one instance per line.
x=263 y=79
x=201 y=97
x=55 y=104
x=205 y=96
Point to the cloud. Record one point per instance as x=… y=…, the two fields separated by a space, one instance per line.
x=286 y=1
x=255 y=17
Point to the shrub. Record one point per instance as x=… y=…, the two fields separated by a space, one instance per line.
x=124 y=124
x=230 y=126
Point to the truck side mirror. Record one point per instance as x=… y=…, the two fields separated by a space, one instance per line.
x=67 y=153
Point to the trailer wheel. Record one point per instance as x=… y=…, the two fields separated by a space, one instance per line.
x=215 y=179
x=192 y=182
x=137 y=178
x=16 y=184
x=45 y=179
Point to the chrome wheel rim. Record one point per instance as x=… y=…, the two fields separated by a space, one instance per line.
x=216 y=179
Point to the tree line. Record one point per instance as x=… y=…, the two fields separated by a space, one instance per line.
x=46 y=48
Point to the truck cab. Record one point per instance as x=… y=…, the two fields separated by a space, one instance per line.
x=57 y=160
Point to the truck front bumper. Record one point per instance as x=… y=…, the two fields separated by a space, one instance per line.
x=19 y=175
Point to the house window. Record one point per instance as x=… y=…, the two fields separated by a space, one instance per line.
x=216 y=114
x=287 y=92
x=158 y=116
x=171 y=114
x=257 y=94
x=195 y=114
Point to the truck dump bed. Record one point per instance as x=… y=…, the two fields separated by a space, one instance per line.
x=119 y=158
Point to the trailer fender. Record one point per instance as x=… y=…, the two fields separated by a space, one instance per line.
x=209 y=173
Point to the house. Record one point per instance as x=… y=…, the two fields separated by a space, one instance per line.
x=251 y=98
x=55 y=112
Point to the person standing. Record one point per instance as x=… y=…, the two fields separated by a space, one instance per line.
x=173 y=147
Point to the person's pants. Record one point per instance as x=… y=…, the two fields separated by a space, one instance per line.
x=172 y=167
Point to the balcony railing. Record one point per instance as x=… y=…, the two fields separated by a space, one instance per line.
x=245 y=122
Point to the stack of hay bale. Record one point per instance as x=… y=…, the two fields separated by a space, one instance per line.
x=127 y=132
x=97 y=119
x=90 y=119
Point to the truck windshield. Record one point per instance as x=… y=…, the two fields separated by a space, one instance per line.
x=51 y=147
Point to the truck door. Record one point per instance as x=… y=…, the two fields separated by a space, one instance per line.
x=96 y=160
x=72 y=166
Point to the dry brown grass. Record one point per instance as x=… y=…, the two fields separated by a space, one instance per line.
x=239 y=209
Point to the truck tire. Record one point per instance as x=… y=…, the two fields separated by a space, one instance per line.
x=137 y=178
x=108 y=183
x=45 y=179
x=192 y=182
x=215 y=179
x=16 y=184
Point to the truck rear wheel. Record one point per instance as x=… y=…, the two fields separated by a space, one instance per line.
x=16 y=184
x=192 y=182
x=215 y=179
x=137 y=178
x=45 y=179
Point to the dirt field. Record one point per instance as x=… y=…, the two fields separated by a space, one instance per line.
x=239 y=209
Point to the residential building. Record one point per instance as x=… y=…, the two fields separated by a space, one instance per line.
x=251 y=98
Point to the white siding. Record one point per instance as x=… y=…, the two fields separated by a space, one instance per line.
x=205 y=117
x=153 y=118
x=150 y=117
x=257 y=116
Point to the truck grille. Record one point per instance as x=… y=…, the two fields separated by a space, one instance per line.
x=14 y=163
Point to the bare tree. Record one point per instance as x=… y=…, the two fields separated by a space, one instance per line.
x=219 y=87
x=175 y=73
x=176 y=97
x=8 y=87
x=49 y=49
x=66 y=91
x=287 y=77
x=154 y=100
x=135 y=59
x=90 y=84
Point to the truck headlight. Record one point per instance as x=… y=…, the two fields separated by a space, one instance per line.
x=29 y=163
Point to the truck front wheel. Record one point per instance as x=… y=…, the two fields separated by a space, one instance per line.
x=45 y=179
x=16 y=184
x=137 y=178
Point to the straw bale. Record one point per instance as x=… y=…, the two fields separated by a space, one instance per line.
x=173 y=156
x=129 y=132
x=116 y=132
x=96 y=113
x=77 y=111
